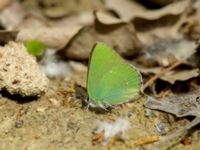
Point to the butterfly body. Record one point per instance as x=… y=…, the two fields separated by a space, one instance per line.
x=111 y=80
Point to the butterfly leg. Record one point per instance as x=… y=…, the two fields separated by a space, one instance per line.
x=102 y=106
x=108 y=105
x=87 y=107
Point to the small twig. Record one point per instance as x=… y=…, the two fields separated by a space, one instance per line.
x=181 y=132
x=147 y=140
x=162 y=72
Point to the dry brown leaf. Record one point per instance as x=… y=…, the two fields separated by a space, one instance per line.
x=135 y=10
x=181 y=72
x=181 y=75
x=124 y=8
x=191 y=25
x=150 y=70
x=60 y=8
x=181 y=105
x=126 y=42
x=6 y=36
x=160 y=24
x=12 y=15
x=172 y=76
x=33 y=21
x=194 y=59
x=55 y=12
x=32 y=25
x=105 y=19
x=161 y=2
x=150 y=33
x=53 y=33
x=52 y=37
x=83 y=19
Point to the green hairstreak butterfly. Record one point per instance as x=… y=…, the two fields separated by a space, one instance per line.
x=111 y=80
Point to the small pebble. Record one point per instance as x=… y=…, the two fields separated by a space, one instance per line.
x=72 y=125
x=54 y=102
x=148 y=112
x=40 y=109
x=161 y=128
x=19 y=123
x=130 y=114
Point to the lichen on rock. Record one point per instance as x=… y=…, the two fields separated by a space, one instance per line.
x=20 y=73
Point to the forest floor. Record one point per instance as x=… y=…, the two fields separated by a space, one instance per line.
x=43 y=99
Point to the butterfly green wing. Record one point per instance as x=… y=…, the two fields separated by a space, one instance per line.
x=121 y=83
x=101 y=61
x=110 y=79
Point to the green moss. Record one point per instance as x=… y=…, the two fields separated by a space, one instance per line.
x=35 y=47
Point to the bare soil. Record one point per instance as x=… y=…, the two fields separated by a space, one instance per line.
x=66 y=124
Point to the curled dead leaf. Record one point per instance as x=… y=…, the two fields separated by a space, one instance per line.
x=48 y=35
x=173 y=75
x=135 y=10
x=161 y=2
x=105 y=29
x=60 y=8
x=163 y=23
x=106 y=19
x=83 y=19
x=180 y=105
x=181 y=75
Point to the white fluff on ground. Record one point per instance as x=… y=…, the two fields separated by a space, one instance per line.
x=53 y=66
x=117 y=128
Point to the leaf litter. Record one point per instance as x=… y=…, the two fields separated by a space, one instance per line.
x=182 y=105
x=160 y=38
x=103 y=31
